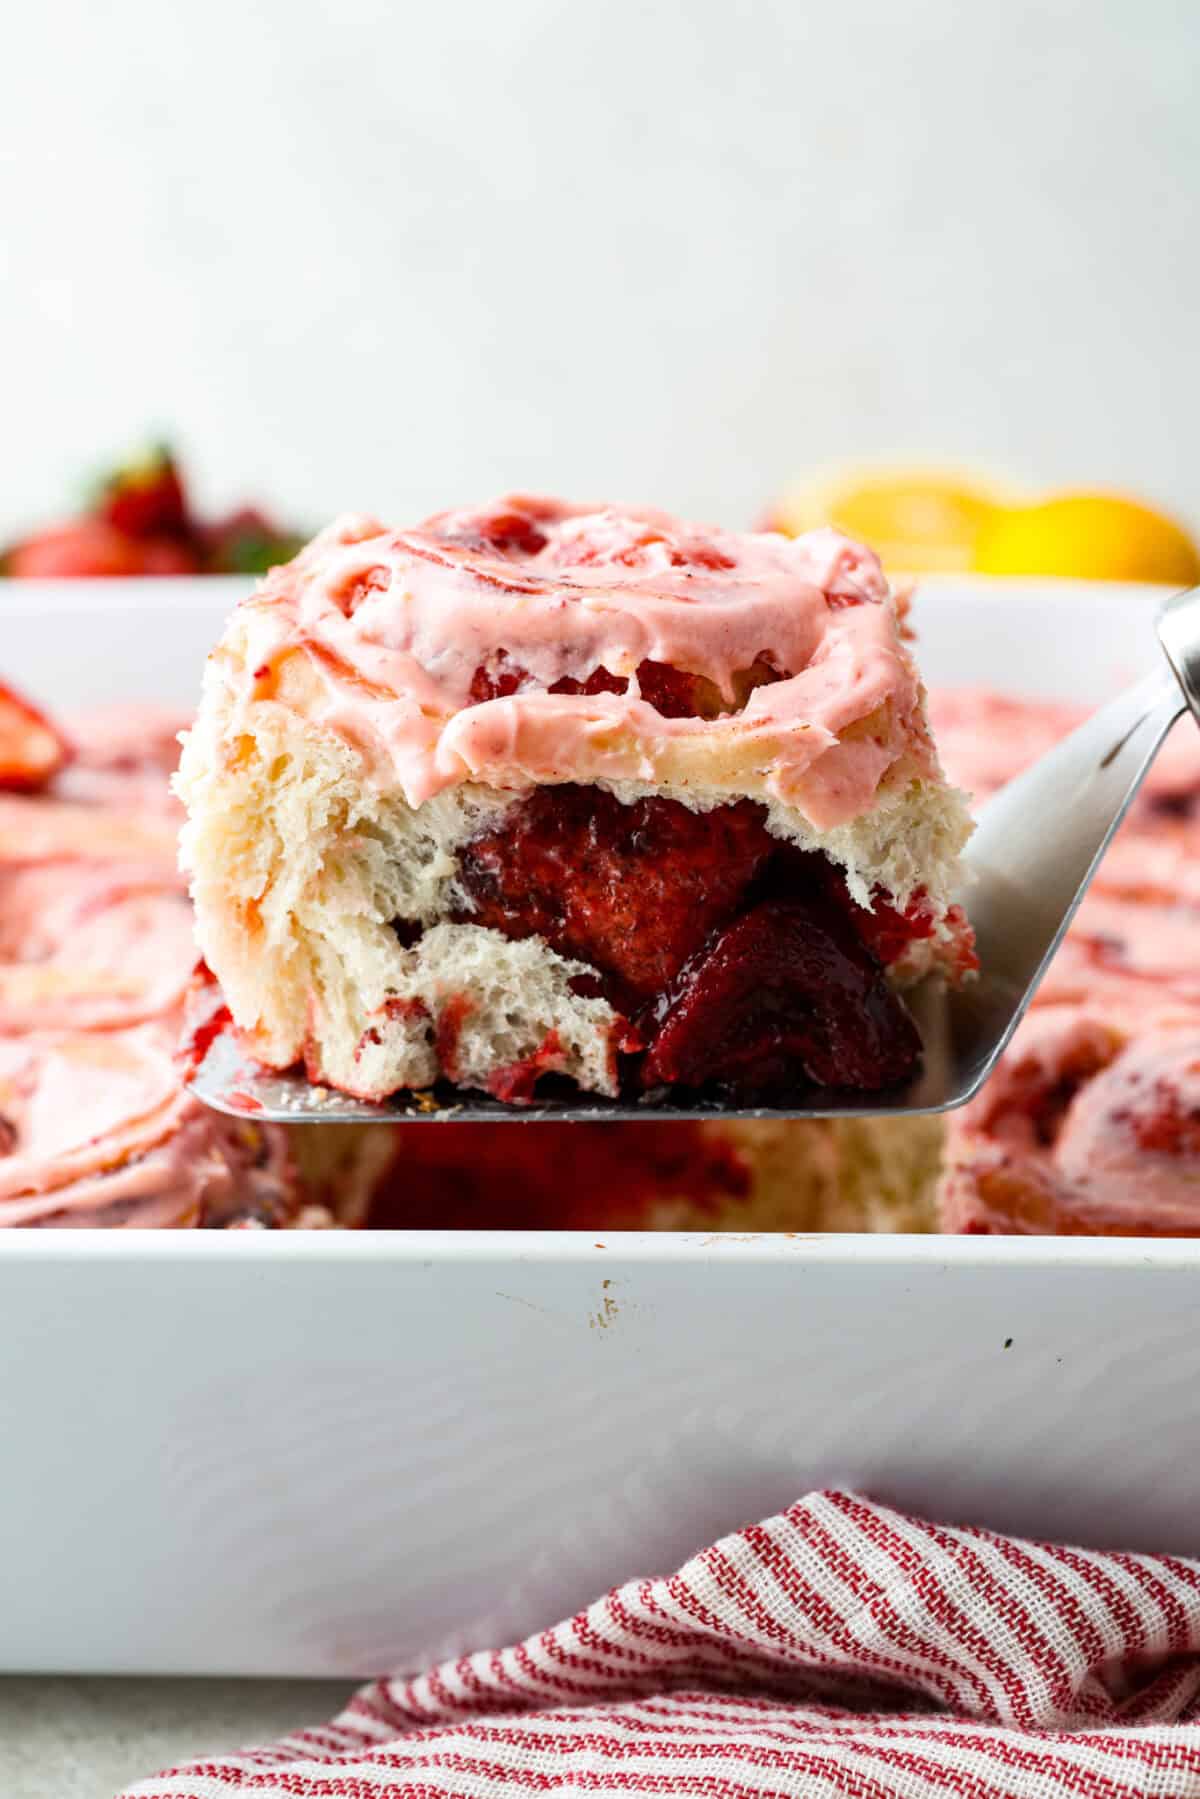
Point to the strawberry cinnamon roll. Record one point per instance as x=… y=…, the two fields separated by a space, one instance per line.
x=986 y=739
x=95 y=924
x=1132 y=944
x=96 y=1129
x=543 y=790
x=1088 y=1128
x=96 y=954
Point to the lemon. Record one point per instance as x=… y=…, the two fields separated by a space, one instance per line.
x=1094 y=536
x=915 y=519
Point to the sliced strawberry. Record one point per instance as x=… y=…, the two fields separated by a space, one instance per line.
x=31 y=749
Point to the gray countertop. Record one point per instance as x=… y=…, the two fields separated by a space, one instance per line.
x=87 y=1738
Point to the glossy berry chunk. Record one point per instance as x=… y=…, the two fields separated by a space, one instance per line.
x=514 y=533
x=787 y=989
x=671 y=692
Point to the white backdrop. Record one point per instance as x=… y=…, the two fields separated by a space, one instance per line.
x=385 y=256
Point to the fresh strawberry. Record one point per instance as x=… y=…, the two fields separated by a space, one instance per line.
x=139 y=522
x=31 y=749
x=91 y=546
x=144 y=498
x=86 y=547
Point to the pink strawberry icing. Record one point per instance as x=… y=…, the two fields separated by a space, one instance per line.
x=100 y=1131
x=398 y=623
x=96 y=951
x=1090 y=1123
x=1083 y=1130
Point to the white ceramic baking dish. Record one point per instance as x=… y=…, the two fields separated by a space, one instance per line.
x=320 y=1454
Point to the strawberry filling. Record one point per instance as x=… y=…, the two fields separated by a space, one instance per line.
x=670 y=691
x=787 y=989
x=634 y=891
x=739 y=962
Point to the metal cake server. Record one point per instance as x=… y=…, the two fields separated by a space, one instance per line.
x=1029 y=864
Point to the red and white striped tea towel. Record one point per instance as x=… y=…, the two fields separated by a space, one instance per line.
x=839 y=1648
